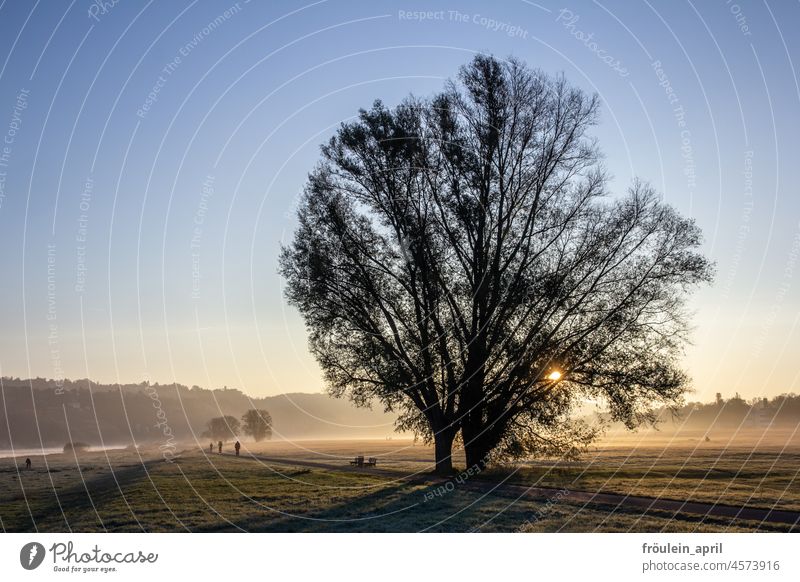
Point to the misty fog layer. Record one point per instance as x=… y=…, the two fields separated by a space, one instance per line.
x=47 y=413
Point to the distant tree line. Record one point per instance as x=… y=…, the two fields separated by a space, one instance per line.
x=782 y=410
x=99 y=414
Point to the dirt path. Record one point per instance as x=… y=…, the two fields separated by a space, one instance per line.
x=762 y=514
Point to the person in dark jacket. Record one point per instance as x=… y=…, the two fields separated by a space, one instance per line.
x=237 y=446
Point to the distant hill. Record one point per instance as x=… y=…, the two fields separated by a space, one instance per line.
x=81 y=410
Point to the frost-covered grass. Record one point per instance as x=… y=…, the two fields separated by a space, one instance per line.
x=199 y=492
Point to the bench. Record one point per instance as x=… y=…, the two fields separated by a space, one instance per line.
x=360 y=462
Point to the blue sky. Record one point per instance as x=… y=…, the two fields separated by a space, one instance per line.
x=154 y=153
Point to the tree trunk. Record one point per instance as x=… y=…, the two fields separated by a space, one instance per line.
x=473 y=405
x=477 y=454
x=480 y=439
x=443 y=445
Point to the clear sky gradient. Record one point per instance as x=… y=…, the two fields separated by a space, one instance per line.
x=153 y=152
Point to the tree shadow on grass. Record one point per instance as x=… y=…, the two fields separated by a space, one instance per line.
x=361 y=510
x=401 y=508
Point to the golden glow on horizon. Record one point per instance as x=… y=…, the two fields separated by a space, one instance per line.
x=554 y=375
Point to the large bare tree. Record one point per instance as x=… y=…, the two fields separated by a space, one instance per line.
x=458 y=259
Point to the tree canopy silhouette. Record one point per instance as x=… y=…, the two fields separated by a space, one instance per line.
x=458 y=258
x=258 y=424
x=223 y=428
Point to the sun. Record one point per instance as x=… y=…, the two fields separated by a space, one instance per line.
x=554 y=375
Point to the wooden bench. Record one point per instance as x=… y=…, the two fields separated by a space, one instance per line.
x=360 y=462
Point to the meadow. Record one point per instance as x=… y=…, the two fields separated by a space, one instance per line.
x=311 y=486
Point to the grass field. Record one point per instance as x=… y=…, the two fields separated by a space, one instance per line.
x=313 y=488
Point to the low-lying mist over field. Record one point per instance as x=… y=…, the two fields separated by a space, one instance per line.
x=39 y=412
x=45 y=413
